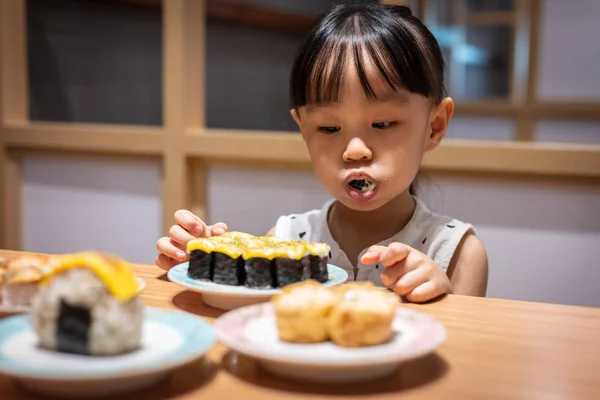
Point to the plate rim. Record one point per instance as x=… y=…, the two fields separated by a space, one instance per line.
x=89 y=376
x=231 y=291
x=270 y=354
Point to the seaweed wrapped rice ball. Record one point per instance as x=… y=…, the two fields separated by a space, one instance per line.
x=89 y=305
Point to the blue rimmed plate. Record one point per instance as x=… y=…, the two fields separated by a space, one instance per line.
x=170 y=339
x=228 y=297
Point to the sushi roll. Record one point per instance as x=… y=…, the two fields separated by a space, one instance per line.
x=88 y=305
x=259 y=262
x=228 y=263
x=201 y=265
x=275 y=265
x=217 y=259
x=229 y=268
x=258 y=265
x=260 y=273
x=291 y=266
x=318 y=257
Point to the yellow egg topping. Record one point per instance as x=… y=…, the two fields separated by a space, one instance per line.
x=238 y=244
x=117 y=275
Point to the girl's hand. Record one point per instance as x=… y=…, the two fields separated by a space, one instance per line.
x=187 y=227
x=409 y=272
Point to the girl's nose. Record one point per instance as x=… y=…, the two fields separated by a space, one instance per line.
x=357 y=150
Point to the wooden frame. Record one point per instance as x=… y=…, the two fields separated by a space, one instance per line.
x=187 y=148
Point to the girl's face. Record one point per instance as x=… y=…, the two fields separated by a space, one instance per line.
x=367 y=152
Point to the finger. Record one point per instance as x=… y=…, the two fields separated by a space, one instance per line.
x=370 y=257
x=425 y=292
x=180 y=236
x=373 y=254
x=168 y=248
x=409 y=263
x=191 y=223
x=218 y=229
x=393 y=254
x=165 y=262
x=390 y=275
x=410 y=281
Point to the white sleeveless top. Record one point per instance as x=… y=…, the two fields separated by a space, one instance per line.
x=435 y=235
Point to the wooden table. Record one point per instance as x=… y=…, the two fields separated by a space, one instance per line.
x=496 y=349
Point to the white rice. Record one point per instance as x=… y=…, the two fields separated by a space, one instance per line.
x=115 y=328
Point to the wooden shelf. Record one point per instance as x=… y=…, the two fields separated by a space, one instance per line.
x=85 y=138
x=455 y=155
x=142 y=3
x=567 y=110
x=563 y=110
x=247 y=147
x=245 y=14
x=486 y=108
x=268 y=149
x=258 y=16
x=491 y=18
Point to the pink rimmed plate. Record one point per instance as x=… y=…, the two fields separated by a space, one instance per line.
x=252 y=331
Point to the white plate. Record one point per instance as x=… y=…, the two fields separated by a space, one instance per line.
x=251 y=331
x=228 y=297
x=169 y=339
x=6 y=310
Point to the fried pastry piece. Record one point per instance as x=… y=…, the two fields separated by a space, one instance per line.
x=302 y=310
x=362 y=316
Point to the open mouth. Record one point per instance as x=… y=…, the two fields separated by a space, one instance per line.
x=362 y=185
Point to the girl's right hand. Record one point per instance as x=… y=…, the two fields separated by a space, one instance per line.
x=187 y=227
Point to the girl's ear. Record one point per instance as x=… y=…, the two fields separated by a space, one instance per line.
x=296 y=116
x=438 y=123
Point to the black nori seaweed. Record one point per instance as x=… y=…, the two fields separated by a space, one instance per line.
x=256 y=272
x=201 y=265
x=72 y=327
x=290 y=271
x=260 y=273
x=241 y=271
x=228 y=270
x=318 y=268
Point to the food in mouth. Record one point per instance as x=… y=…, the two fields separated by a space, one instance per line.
x=363 y=185
x=361 y=190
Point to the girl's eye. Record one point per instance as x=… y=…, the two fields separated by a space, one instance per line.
x=329 y=129
x=383 y=125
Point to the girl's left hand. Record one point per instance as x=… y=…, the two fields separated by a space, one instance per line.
x=409 y=272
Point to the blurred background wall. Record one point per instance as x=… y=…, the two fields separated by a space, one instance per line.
x=100 y=62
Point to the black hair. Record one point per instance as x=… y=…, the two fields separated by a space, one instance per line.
x=401 y=48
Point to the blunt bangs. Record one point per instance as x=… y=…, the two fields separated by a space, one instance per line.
x=386 y=40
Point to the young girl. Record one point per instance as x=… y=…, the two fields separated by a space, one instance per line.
x=367 y=91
